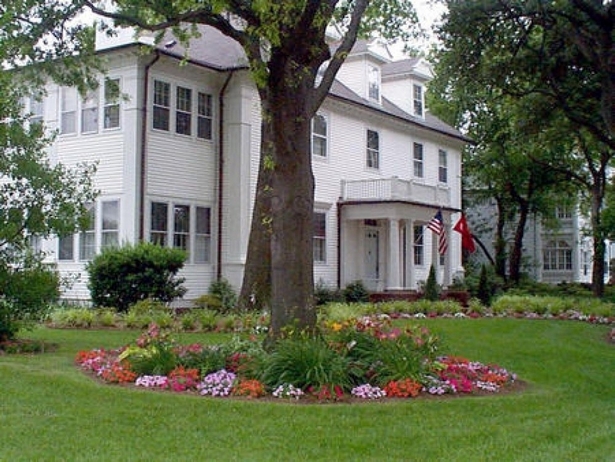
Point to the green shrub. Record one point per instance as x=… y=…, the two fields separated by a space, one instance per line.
x=324 y=294
x=356 y=292
x=223 y=291
x=485 y=288
x=26 y=292
x=209 y=302
x=122 y=276
x=432 y=289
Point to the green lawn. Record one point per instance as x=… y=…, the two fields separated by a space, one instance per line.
x=49 y=410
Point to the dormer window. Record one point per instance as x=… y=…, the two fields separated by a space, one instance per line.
x=373 y=83
x=418 y=100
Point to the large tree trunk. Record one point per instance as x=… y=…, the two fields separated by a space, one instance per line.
x=597 y=192
x=514 y=268
x=256 y=287
x=499 y=245
x=292 y=210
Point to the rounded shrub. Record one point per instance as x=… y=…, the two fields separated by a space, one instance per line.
x=122 y=276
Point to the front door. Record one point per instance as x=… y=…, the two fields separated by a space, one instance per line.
x=372 y=268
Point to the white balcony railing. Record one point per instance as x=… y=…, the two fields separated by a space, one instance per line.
x=391 y=189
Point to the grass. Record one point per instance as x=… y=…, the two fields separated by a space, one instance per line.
x=49 y=410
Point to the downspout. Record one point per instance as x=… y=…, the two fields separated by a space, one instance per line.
x=143 y=163
x=339 y=245
x=221 y=172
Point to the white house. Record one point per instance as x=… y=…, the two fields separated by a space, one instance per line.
x=178 y=161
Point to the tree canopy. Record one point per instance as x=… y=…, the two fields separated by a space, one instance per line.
x=287 y=45
x=555 y=62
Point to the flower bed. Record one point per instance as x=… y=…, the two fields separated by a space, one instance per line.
x=366 y=359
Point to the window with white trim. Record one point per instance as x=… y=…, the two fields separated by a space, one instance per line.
x=373 y=83
x=204 y=128
x=182 y=226
x=417 y=150
x=319 y=136
x=66 y=248
x=87 y=236
x=183 y=111
x=89 y=112
x=202 y=236
x=563 y=213
x=417 y=97
x=159 y=223
x=320 y=237
x=111 y=112
x=162 y=105
x=419 y=245
x=68 y=110
x=110 y=230
x=36 y=109
x=373 y=149
x=98 y=235
x=557 y=256
x=442 y=166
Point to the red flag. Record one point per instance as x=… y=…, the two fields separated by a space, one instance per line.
x=437 y=226
x=467 y=241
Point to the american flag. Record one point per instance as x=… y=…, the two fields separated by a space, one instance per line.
x=437 y=226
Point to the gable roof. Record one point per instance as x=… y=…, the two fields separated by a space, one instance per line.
x=216 y=51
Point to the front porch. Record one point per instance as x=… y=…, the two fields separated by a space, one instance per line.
x=387 y=246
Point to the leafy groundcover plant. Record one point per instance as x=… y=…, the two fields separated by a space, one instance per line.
x=362 y=359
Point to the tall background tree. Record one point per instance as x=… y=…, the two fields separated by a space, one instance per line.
x=557 y=60
x=287 y=47
x=37 y=198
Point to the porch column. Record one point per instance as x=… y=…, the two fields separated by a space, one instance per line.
x=393 y=270
x=410 y=279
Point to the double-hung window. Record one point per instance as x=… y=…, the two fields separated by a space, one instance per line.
x=442 y=166
x=417 y=151
x=87 y=236
x=181 y=227
x=319 y=136
x=159 y=223
x=162 y=105
x=417 y=94
x=204 y=116
x=111 y=114
x=99 y=234
x=89 y=112
x=419 y=245
x=110 y=224
x=373 y=149
x=183 y=113
x=36 y=109
x=557 y=256
x=184 y=227
x=373 y=83
x=320 y=237
x=68 y=109
x=202 y=237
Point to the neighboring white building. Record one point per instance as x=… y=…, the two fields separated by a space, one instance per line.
x=178 y=162
x=561 y=254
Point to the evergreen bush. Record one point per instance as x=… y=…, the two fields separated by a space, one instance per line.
x=432 y=289
x=356 y=292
